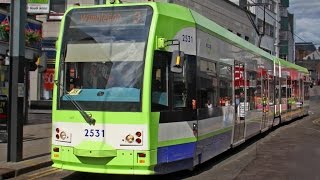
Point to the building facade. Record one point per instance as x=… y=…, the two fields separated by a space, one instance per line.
x=40 y=94
x=286 y=43
x=308 y=56
x=225 y=13
x=275 y=24
x=303 y=49
x=265 y=23
x=33 y=34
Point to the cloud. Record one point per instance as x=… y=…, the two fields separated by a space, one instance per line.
x=307 y=20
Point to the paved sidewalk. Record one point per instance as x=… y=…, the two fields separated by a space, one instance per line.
x=36 y=146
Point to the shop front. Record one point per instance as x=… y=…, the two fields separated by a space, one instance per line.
x=43 y=77
x=33 y=38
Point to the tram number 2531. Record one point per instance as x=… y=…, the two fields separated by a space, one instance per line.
x=187 y=38
x=94 y=133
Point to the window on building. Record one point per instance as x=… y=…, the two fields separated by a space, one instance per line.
x=57 y=9
x=267 y=29
x=272 y=6
x=260 y=25
x=99 y=1
x=271 y=31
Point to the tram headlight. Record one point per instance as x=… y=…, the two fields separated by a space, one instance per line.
x=63 y=135
x=129 y=138
x=132 y=138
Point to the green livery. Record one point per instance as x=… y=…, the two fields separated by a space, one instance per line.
x=153 y=88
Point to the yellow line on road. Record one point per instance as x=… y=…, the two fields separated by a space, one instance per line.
x=317 y=122
x=44 y=173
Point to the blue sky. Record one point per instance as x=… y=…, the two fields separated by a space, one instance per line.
x=307 y=20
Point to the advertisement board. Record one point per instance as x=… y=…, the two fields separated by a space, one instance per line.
x=38 y=6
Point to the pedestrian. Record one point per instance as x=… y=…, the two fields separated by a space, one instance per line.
x=209 y=105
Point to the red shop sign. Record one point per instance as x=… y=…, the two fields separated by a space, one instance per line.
x=48 y=77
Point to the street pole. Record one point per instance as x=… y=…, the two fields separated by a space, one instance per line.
x=277 y=39
x=16 y=81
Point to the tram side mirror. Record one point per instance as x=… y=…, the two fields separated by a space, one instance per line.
x=177 y=61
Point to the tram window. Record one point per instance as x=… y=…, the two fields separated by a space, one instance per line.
x=160 y=75
x=208 y=83
x=289 y=88
x=306 y=91
x=225 y=85
x=301 y=83
x=254 y=89
x=184 y=84
x=271 y=89
x=283 y=95
x=295 y=90
x=179 y=90
x=276 y=93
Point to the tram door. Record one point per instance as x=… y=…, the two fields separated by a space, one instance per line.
x=240 y=105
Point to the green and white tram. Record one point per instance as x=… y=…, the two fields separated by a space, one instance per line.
x=152 y=88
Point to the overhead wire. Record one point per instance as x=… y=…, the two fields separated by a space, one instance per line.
x=280 y=23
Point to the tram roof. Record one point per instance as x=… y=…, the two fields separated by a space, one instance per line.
x=232 y=38
x=287 y=64
x=189 y=15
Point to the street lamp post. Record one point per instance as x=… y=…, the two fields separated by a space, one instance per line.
x=16 y=80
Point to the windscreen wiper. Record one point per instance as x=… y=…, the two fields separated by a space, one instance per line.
x=86 y=116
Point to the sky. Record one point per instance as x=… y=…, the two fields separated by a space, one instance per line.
x=307 y=20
